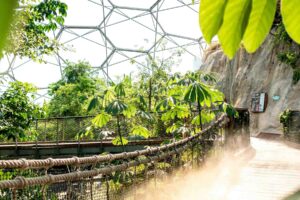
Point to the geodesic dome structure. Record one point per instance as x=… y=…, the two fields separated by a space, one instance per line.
x=116 y=37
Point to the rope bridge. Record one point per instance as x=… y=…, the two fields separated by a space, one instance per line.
x=110 y=176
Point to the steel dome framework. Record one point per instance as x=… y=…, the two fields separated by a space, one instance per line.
x=114 y=22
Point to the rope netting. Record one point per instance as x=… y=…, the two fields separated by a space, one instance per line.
x=110 y=176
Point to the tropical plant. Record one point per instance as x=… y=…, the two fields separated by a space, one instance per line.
x=71 y=94
x=185 y=96
x=201 y=94
x=17 y=110
x=28 y=31
x=247 y=22
x=121 y=102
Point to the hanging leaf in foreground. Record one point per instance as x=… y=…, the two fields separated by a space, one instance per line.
x=234 y=24
x=210 y=17
x=260 y=22
x=290 y=11
x=6 y=14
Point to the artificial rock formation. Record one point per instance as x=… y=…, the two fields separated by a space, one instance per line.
x=247 y=74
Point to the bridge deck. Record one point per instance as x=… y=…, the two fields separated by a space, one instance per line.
x=271 y=171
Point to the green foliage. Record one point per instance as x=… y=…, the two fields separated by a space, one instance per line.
x=230 y=110
x=130 y=111
x=177 y=111
x=296 y=76
x=246 y=22
x=116 y=107
x=119 y=90
x=6 y=15
x=145 y=115
x=206 y=116
x=285 y=118
x=71 y=94
x=289 y=57
x=140 y=131
x=290 y=11
x=17 y=110
x=131 y=104
x=235 y=21
x=101 y=120
x=95 y=102
x=281 y=36
x=28 y=36
x=211 y=17
x=260 y=22
x=166 y=103
x=198 y=92
x=118 y=141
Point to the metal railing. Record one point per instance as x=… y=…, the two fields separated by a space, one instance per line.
x=111 y=176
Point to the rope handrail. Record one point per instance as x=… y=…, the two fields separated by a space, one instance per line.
x=96 y=159
x=21 y=182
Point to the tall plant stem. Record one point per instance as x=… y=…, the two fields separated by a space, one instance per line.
x=200 y=116
x=119 y=132
x=150 y=94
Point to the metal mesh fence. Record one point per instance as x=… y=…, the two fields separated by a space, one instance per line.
x=63 y=129
x=112 y=176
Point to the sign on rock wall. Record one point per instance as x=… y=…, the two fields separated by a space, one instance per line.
x=259 y=102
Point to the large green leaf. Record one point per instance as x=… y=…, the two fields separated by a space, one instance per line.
x=235 y=20
x=108 y=96
x=260 y=22
x=142 y=101
x=230 y=110
x=145 y=115
x=290 y=11
x=141 y=131
x=206 y=117
x=101 y=119
x=6 y=14
x=117 y=141
x=166 y=103
x=120 y=90
x=116 y=107
x=93 y=104
x=198 y=92
x=177 y=111
x=211 y=17
x=130 y=111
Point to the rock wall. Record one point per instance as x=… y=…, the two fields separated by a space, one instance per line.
x=247 y=74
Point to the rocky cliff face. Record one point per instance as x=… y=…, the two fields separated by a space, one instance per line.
x=247 y=74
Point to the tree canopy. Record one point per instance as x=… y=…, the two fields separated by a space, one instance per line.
x=71 y=94
x=28 y=27
x=17 y=110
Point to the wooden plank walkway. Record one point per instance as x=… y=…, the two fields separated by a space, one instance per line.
x=270 y=171
x=272 y=174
